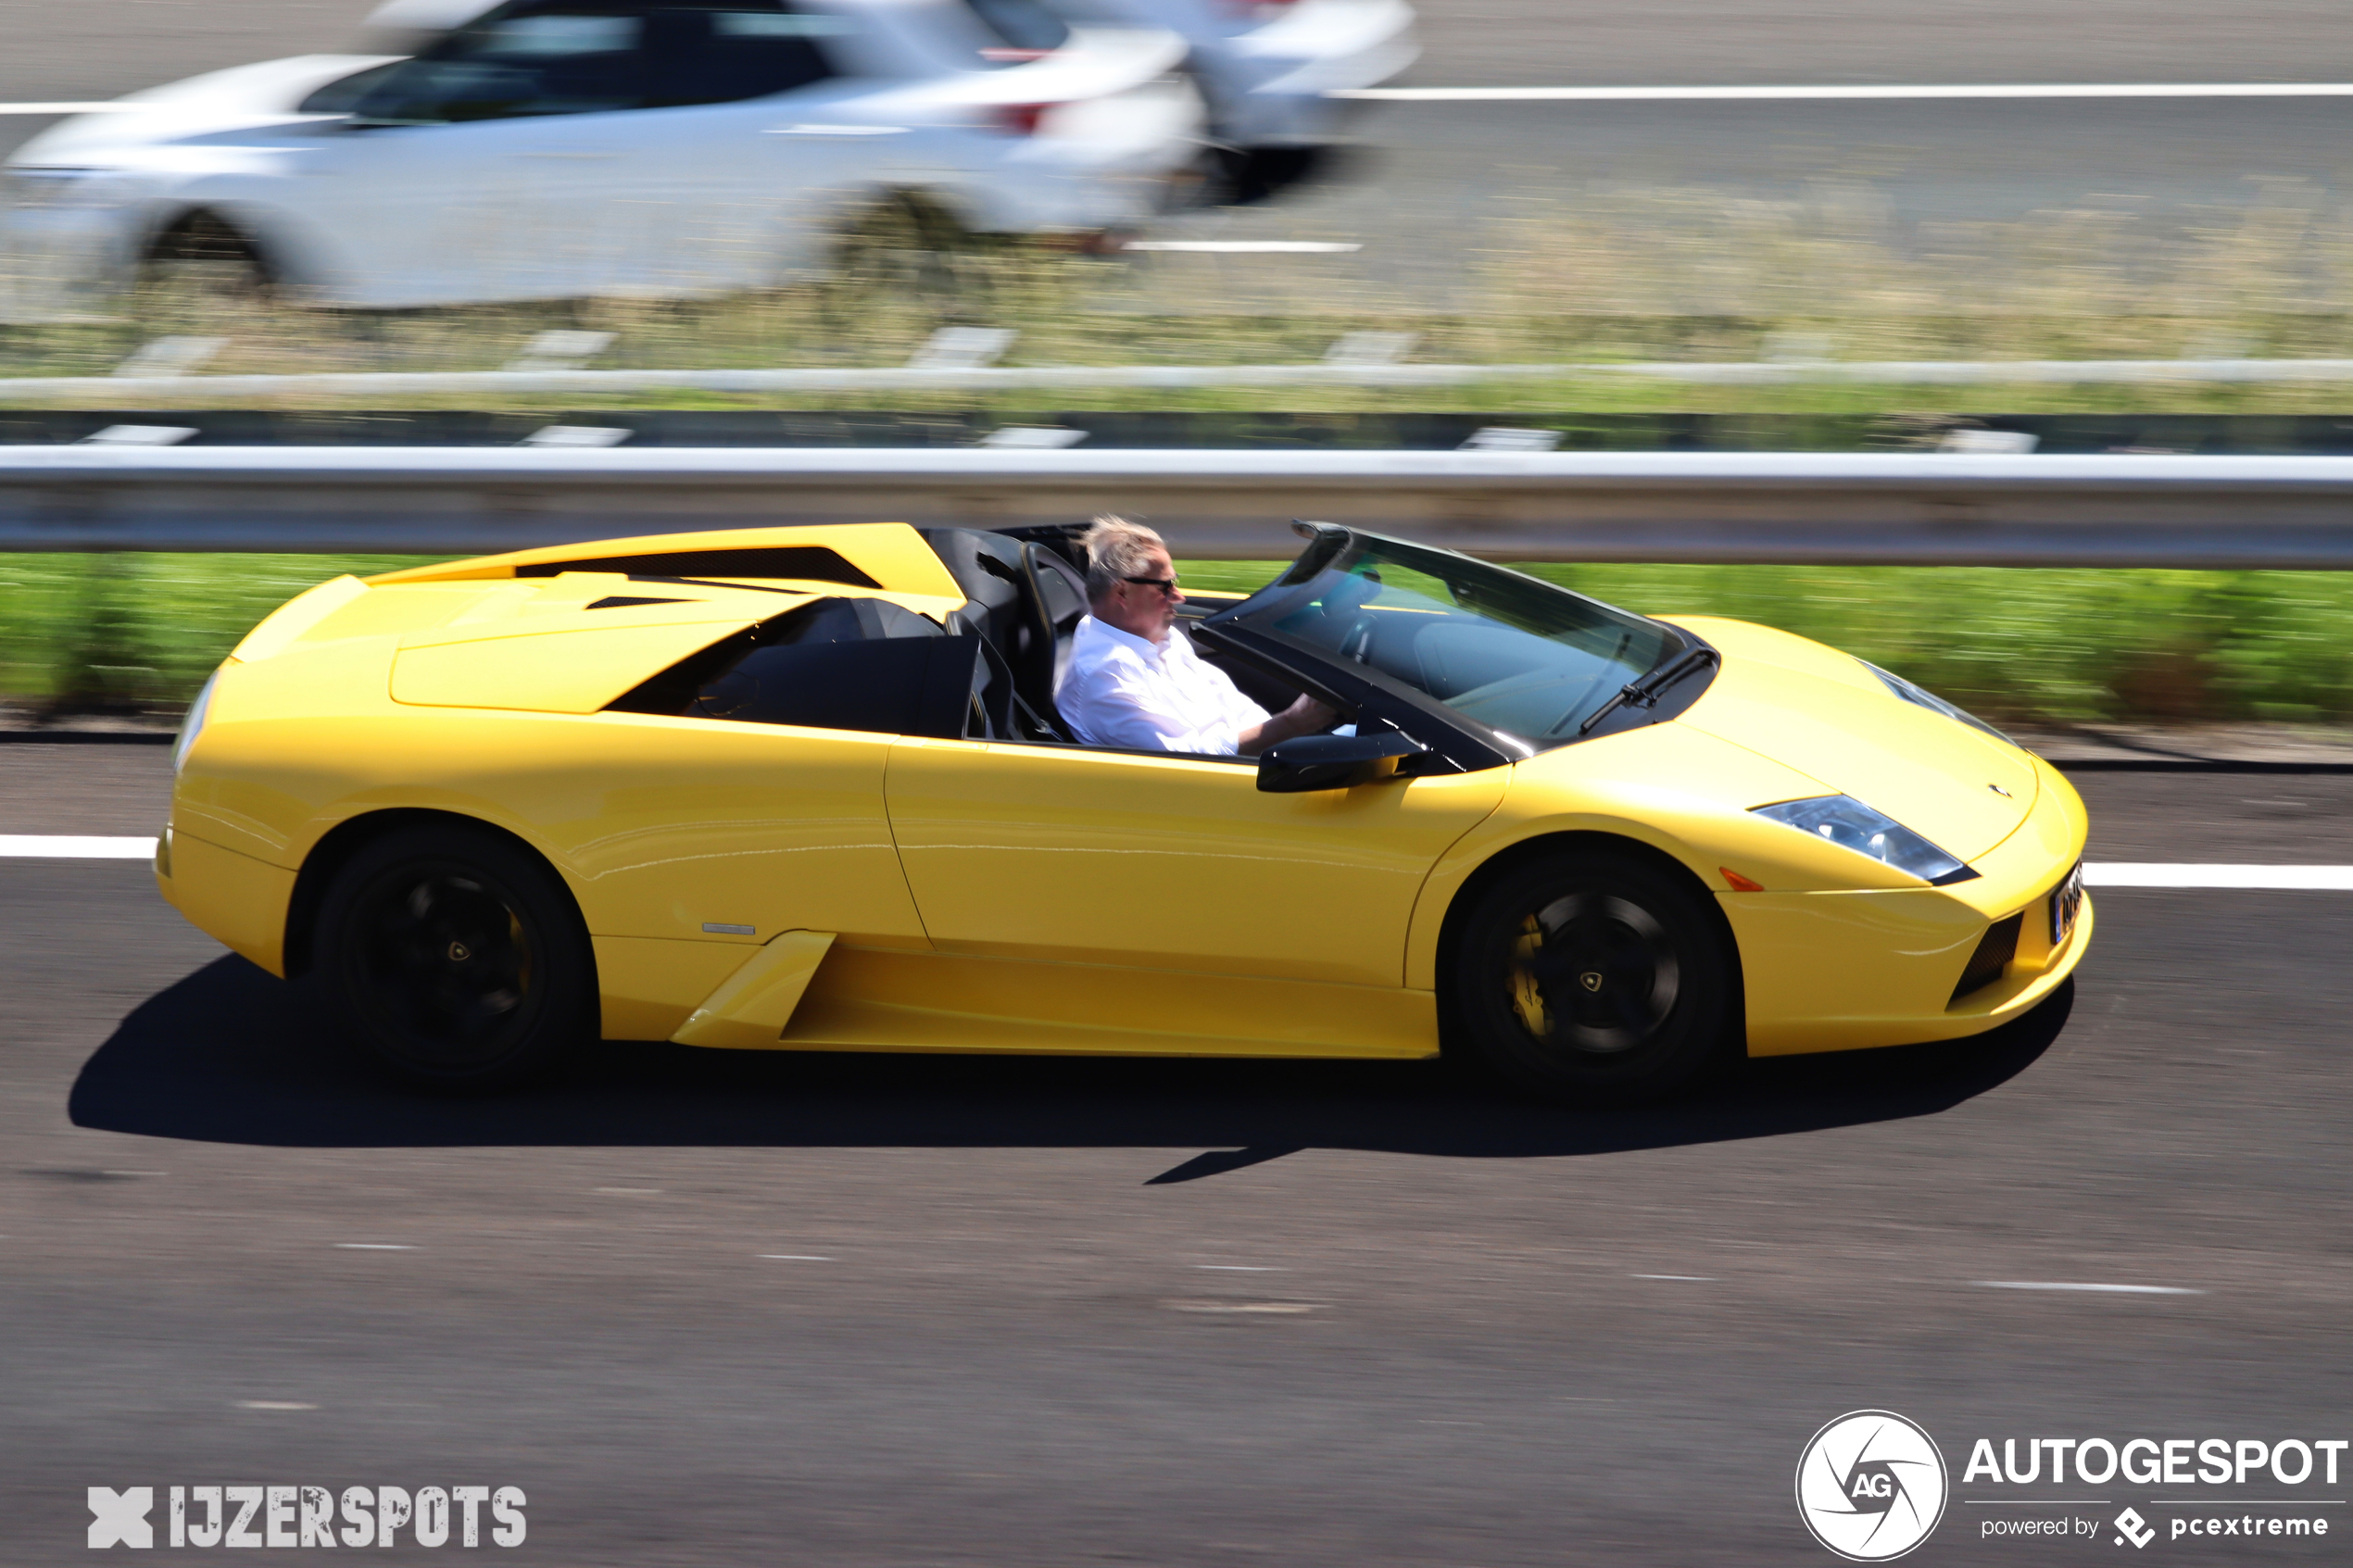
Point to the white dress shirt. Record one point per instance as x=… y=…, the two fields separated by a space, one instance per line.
x=1124 y=690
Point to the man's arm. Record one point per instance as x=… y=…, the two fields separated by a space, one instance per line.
x=1304 y=717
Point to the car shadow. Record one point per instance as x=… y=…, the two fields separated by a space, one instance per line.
x=232 y=1055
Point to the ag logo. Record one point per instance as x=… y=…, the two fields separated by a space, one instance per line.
x=1871 y=1485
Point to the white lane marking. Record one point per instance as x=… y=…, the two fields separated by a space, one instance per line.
x=2270 y=879
x=1696 y=1279
x=134 y=1173
x=1247 y=247
x=273 y=1405
x=1823 y=93
x=74 y=846
x=374 y=1247
x=795 y=1257
x=2070 y=1285
x=1242 y=1268
x=632 y=1191
x=1278 y=1307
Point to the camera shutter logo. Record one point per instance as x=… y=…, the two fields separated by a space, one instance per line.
x=1871 y=1485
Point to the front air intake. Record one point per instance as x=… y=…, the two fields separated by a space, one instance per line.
x=1994 y=951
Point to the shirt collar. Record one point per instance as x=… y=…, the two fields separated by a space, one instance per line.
x=1120 y=638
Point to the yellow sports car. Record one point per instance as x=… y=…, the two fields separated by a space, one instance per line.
x=806 y=789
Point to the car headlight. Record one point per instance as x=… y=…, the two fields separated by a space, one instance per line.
x=1849 y=823
x=192 y=725
x=1929 y=701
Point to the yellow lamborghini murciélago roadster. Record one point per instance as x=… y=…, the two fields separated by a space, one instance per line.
x=806 y=788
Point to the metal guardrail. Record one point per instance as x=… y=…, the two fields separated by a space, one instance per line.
x=1021 y=378
x=1916 y=509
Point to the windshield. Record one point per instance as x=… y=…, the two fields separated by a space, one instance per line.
x=1513 y=653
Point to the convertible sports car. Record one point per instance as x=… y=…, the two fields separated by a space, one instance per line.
x=805 y=788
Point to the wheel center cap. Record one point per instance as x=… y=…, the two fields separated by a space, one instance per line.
x=1590 y=980
x=459 y=952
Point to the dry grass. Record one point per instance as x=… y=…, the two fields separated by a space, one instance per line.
x=1635 y=274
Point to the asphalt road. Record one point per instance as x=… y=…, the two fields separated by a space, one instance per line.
x=1437 y=184
x=1039 y=1312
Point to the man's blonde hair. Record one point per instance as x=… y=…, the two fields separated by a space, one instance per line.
x=1116 y=550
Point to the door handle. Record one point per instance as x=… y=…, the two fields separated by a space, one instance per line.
x=837 y=131
x=580 y=157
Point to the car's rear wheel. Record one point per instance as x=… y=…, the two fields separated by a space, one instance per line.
x=906 y=249
x=455 y=959
x=1594 y=977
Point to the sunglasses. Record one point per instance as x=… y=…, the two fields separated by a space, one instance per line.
x=1166 y=584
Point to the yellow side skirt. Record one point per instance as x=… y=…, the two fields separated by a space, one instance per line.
x=875 y=999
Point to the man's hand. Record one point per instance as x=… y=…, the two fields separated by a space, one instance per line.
x=1306 y=717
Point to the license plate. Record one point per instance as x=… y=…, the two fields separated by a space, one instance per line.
x=2065 y=900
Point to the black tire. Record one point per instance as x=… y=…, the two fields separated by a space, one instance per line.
x=199 y=266
x=906 y=250
x=455 y=959
x=1593 y=977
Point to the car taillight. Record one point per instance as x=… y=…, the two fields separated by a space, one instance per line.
x=1021 y=120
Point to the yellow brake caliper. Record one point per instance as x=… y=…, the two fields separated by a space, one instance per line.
x=1527 y=1000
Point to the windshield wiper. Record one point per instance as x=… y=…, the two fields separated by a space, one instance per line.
x=1644 y=691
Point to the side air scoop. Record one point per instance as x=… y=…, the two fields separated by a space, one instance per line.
x=752 y=1007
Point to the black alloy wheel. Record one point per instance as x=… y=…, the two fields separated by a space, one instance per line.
x=1594 y=977
x=455 y=959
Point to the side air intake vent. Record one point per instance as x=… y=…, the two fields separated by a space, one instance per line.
x=1994 y=951
x=803 y=564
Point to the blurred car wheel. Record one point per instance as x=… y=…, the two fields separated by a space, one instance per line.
x=1593 y=977
x=455 y=960
x=906 y=247
x=199 y=263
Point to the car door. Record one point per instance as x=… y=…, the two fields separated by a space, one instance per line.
x=748 y=139
x=1168 y=861
x=489 y=166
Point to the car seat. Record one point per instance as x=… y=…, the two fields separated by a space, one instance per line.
x=1056 y=598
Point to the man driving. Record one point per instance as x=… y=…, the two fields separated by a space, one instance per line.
x=1134 y=680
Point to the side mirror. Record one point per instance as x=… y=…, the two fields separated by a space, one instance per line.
x=1313 y=763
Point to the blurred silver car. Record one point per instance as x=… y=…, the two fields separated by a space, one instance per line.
x=1268 y=69
x=560 y=148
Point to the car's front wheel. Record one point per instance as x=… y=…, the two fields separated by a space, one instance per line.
x=197 y=267
x=1593 y=976
x=455 y=959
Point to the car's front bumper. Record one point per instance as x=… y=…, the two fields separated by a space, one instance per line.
x=56 y=260
x=1832 y=972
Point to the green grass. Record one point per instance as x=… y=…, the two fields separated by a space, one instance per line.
x=132 y=631
x=142 y=631
x=2048 y=647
